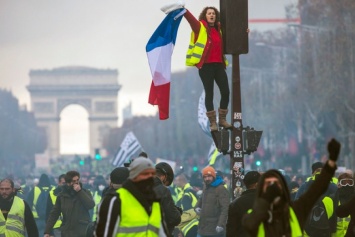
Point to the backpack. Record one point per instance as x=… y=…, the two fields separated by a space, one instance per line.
x=317 y=223
x=41 y=205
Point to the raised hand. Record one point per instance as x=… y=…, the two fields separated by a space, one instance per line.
x=333 y=149
x=272 y=192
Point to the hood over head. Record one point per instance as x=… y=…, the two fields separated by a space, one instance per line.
x=44 y=181
x=279 y=176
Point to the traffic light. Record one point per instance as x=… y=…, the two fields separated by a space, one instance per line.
x=195 y=168
x=234 y=21
x=251 y=140
x=97 y=154
x=81 y=162
x=258 y=163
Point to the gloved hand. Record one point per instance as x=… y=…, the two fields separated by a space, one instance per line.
x=219 y=229
x=179 y=209
x=272 y=192
x=172 y=6
x=333 y=149
x=198 y=210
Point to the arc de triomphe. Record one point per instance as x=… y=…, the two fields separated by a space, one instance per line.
x=94 y=89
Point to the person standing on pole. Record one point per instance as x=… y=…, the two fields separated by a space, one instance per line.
x=206 y=53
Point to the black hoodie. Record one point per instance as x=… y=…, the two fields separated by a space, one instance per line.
x=280 y=222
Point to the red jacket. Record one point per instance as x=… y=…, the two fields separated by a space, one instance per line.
x=217 y=55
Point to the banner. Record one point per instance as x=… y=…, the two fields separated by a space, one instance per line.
x=202 y=117
x=129 y=146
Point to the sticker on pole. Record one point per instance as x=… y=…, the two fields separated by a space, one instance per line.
x=237 y=146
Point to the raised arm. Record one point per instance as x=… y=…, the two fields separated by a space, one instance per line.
x=194 y=23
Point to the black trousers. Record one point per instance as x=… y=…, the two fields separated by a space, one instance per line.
x=210 y=73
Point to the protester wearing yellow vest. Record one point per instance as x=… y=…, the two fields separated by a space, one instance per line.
x=345 y=193
x=51 y=202
x=206 y=53
x=43 y=184
x=189 y=224
x=316 y=169
x=16 y=216
x=186 y=200
x=187 y=197
x=135 y=210
x=99 y=186
x=273 y=213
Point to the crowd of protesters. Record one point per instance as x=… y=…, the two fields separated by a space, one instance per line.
x=147 y=199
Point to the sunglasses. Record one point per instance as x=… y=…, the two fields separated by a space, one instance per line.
x=346 y=182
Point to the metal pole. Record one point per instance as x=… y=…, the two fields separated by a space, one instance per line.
x=234 y=21
x=236 y=154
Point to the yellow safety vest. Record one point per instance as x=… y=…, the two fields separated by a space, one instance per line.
x=195 y=50
x=295 y=227
x=182 y=193
x=342 y=226
x=134 y=220
x=328 y=203
x=175 y=193
x=97 y=199
x=334 y=179
x=37 y=192
x=54 y=199
x=14 y=225
x=187 y=227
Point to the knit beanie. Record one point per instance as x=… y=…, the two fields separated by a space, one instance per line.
x=138 y=165
x=209 y=170
x=119 y=175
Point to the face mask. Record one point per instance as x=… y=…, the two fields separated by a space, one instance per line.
x=146 y=186
x=101 y=187
x=345 y=191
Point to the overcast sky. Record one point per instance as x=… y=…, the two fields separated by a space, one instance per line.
x=43 y=34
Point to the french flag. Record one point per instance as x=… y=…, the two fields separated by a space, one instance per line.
x=159 y=50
